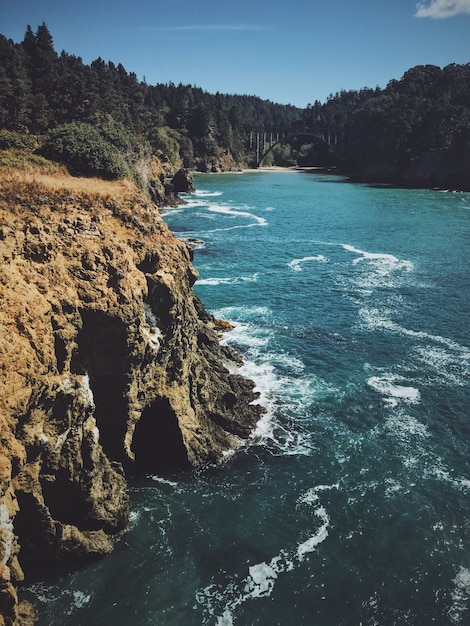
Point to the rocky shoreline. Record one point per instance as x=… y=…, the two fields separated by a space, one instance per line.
x=109 y=366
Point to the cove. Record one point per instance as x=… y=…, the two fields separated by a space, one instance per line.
x=350 y=503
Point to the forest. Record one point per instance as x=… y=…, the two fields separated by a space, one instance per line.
x=99 y=119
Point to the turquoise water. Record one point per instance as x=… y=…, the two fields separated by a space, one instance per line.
x=351 y=504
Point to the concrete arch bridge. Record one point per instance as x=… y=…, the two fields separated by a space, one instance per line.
x=261 y=141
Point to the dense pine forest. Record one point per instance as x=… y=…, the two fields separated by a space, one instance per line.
x=99 y=119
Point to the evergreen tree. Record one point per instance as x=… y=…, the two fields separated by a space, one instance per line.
x=427 y=110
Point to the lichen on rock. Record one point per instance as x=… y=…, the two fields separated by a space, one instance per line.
x=109 y=366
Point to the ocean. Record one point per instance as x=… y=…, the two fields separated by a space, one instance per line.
x=350 y=504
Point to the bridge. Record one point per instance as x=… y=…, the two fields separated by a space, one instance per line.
x=276 y=139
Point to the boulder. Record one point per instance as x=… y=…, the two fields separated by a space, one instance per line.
x=183 y=181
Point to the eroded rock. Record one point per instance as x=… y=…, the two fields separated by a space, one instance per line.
x=109 y=365
x=183 y=181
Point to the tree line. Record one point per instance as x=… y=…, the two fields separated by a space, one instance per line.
x=99 y=118
x=406 y=131
x=42 y=91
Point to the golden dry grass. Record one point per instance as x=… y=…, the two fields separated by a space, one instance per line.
x=26 y=192
x=59 y=180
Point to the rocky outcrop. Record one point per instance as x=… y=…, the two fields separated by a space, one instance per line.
x=109 y=365
x=183 y=181
x=223 y=162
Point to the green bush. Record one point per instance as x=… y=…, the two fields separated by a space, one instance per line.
x=20 y=141
x=166 y=141
x=16 y=158
x=283 y=155
x=85 y=151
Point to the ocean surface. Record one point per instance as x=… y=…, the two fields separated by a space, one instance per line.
x=350 y=505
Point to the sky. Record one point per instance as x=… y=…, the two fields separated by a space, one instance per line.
x=286 y=51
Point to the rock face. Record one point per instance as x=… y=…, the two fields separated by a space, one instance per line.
x=183 y=181
x=109 y=365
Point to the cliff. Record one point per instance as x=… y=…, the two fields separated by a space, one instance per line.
x=109 y=366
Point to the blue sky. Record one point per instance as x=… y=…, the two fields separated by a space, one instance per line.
x=283 y=50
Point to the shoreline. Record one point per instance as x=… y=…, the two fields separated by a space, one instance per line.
x=275 y=168
x=351 y=178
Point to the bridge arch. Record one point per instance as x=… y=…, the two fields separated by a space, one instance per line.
x=286 y=138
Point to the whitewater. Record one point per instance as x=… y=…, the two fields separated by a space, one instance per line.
x=350 y=503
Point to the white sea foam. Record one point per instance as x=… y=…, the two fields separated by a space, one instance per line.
x=80 y=599
x=296 y=264
x=234 y=213
x=443 y=474
x=384 y=262
x=445 y=358
x=225 y=619
x=378 y=319
x=312 y=498
x=283 y=398
x=392 y=392
x=134 y=517
x=238 y=313
x=406 y=428
x=285 y=389
x=226 y=210
x=392 y=487
x=246 y=336
x=221 y=602
x=460 y=596
x=449 y=365
x=164 y=481
x=228 y=281
x=286 y=399
x=201 y=193
x=380 y=270
x=413 y=445
x=71 y=601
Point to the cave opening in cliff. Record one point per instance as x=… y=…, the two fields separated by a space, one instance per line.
x=102 y=351
x=158 y=444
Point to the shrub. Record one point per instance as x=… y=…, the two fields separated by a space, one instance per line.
x=166 y=142
x=85 y=151
x=19 y=159
x=20 y=141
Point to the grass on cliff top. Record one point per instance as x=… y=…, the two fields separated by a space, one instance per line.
x=20 y=166
x=26 y=190
x=18 y=158
x=17 y=176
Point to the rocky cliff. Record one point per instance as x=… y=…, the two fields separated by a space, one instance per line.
x=109 y=366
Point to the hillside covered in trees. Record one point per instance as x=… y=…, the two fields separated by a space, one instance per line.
x=416 y=131
x=59 y=97
x=99 y=119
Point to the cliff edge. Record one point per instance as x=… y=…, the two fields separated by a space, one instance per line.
x=109 y=366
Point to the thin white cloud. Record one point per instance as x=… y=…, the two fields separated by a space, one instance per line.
x=442 y=8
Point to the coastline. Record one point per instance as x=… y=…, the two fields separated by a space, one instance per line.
x=272 y=168
x=127 y=309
